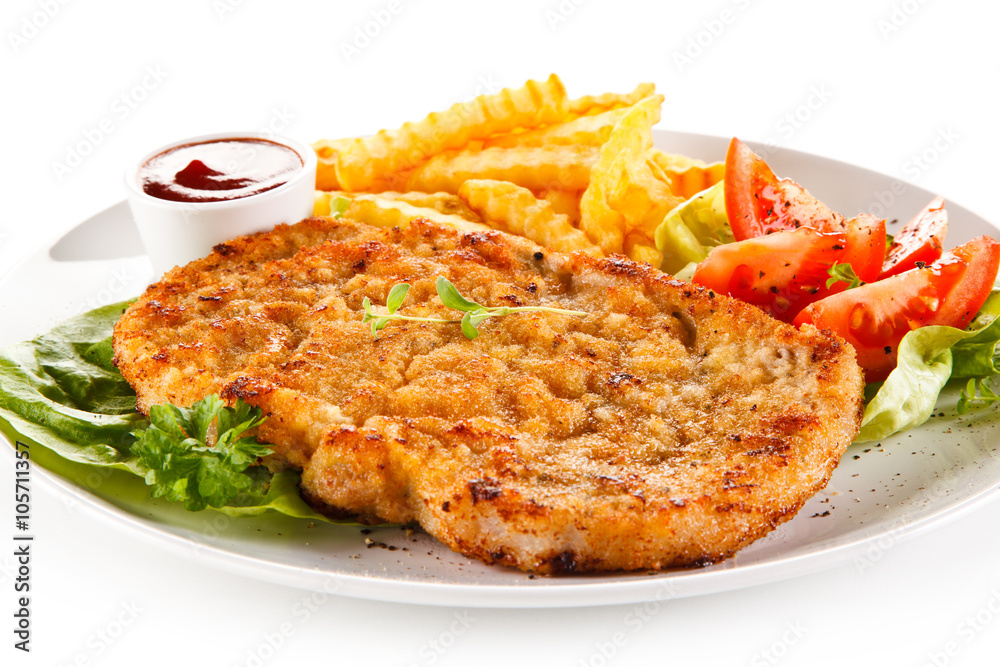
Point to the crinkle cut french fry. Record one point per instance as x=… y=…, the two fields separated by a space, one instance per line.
x=577 y=174
x=536 y=168
x=442 y=202
x=691 y=181
x=367 y=164
x=624 y=195
x=323 y=200
x=671 y=162
x=592 y=104
x=327 y=153
x=686 y=176
x=321 y=203
x=375 y=210
x=564 y=202
x=436 y=202
x=585 y=130
x=514 y=209
x=637 y=247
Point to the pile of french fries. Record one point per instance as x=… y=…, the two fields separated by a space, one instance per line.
x=571 y=174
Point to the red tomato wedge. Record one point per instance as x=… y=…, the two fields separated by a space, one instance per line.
x=920 y=240
x=865 y=237
x=785 y=271
x=780 y=273
x=875 y=317
x=759 y=203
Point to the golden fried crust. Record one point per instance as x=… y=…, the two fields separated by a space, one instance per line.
x=669 y=426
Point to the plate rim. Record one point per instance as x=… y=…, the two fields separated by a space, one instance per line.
x=495 y=596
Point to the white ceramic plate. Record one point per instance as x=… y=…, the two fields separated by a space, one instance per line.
x=879 y=494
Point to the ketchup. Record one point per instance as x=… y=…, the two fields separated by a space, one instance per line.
x=218 y=170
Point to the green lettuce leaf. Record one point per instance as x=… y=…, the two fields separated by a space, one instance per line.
x=976 y=356
x=693 y=228
x=928 y=358
x=61 y=390
x=61 y=393
x=908 y=396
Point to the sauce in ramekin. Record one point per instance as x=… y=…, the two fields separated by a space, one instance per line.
x=218 y=170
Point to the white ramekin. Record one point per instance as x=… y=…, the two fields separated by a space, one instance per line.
x=175 y=233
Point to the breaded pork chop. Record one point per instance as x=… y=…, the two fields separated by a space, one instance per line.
x=669 y=426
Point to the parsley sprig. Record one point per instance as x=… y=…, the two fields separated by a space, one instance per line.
x=185 y=462
x=450 y=296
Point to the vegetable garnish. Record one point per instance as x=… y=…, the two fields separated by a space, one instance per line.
x=909 y=302
x=62 y=393
x=450 y=296
x=392 y=304
x=690 y=231
x=843 y=273
x=920 y=242
x=874 y=318
x=978 y=394
x=187 y=462
x=910 y=392
x=928 y=358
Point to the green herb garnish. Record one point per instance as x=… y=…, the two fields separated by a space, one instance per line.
x=185 y=462
x=978 y=394
x=392 y=304
x=843 y=273
x=450 y=296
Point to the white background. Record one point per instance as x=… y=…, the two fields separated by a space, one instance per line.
x=885 y=78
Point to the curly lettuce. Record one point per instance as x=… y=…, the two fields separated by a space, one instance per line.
x=690 y=231
x=928 y=358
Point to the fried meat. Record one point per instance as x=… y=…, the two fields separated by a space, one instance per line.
x=669 y=426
